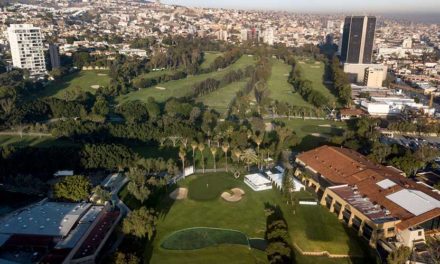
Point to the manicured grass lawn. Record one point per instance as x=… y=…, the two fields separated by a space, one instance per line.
x=210 y=186
x=32 y=141
x=311 y=227
x=313 y=133
x=219 y=100
x=74 y=82
x=183 y=87
x=314 y=71
x=280 y=89
x=209 y=58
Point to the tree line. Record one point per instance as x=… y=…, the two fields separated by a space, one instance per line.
x=305 y=87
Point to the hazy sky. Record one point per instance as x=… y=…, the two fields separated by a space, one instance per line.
x=432 y=6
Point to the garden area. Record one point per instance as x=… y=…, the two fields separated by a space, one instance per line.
x=182 y=87
x=312 y=228
x=75 y=83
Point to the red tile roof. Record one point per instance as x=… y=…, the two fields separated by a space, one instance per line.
x=345 y=166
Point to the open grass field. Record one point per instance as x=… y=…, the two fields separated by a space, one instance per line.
x=280 y=89
x=209 y=58
x=219 y=100
x=313 y=133
x=183 y=87
x=312 y=228
x=32 y=141
x=314 y=71
x=76 y=82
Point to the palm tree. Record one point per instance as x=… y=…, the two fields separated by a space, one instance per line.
x=249 y=157
x=225 y=148
x=258 y=139
x=182 y=154
x=214 y=153
x=237 y=154
x=194 y=146
x=201 y=147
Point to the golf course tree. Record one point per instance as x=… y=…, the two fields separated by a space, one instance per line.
x=140 y=223
x=182 y=156
x=288 y=186
x=399 y=256
x=125 y=258
x=201 y=148
x=225 y=148
x=101 y=194
x=279 y=250
x=138 y=186
x=72 y=188
x=214 y=155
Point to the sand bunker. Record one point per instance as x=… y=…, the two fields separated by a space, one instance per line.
x=102 y=74
x=160 y=88
x=236 y=195
x=95 y=86
x=317 y=135
x=301 y=62
x=179 y=194
x=326 y=125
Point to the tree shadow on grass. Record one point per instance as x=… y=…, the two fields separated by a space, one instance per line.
x=58 y=85
x=309 y=142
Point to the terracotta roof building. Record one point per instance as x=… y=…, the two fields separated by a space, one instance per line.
x=376 y=200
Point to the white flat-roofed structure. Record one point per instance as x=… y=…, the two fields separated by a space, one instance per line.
x=276 y=175
x=63 y=173
x=414 y=201
x=44 y=219
x=385 y=184
x=258 y=182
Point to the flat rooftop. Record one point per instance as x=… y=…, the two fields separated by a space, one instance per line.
x=44 y=219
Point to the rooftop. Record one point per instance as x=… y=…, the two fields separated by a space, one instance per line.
x=44 y=218
x=381 y=185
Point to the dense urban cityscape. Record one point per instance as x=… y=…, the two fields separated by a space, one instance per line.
x=151 y=132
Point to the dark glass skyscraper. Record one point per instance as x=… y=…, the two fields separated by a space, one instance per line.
x=358 y=39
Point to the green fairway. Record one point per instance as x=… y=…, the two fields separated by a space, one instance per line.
x=203 y=237
x=74 y=83
x=314 y=71
x=220 y=99
x=183 y=87
x=210 y=186
x=32 y=141
x=209 y=58
x=280 y=89
x=247 y=216
x=313 y=133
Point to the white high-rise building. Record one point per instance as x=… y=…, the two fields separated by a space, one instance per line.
x=27 y=48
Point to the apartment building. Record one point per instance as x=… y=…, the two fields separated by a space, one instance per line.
x=27 y=48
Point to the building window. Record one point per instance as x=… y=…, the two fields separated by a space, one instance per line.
x=391 y=229
x=420 y=233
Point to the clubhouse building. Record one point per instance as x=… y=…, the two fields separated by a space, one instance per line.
x=379 y=202
x=56 y=232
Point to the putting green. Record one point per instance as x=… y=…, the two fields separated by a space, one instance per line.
x=203 y=237
x=210 y=186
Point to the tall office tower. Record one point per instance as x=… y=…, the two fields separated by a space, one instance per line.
x=54 y=53
x=27 y=49
x=358 y=39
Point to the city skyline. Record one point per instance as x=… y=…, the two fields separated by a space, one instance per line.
x=395 y=6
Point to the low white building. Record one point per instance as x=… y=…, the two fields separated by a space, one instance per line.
x=385 y=106
x=276 y=175
x=257 y=182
